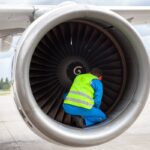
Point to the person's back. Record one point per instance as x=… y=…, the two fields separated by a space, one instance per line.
x=81 y=94
x=84 y=99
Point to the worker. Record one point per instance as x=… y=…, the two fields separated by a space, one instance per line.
x=85 y=96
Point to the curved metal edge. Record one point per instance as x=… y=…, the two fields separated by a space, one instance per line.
x=51 y=129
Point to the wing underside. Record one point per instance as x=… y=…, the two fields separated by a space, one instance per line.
x=15 y=19
x=21 y=17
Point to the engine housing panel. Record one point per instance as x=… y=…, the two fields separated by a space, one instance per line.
x=135 y=90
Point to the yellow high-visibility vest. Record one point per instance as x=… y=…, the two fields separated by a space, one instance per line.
x=81 y=93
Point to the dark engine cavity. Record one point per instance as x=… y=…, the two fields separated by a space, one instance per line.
x=67 y=50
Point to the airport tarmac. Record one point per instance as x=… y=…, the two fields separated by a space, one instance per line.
x=15 y=135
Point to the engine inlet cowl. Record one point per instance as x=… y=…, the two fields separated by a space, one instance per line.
x=69 y=49
x=68 y=41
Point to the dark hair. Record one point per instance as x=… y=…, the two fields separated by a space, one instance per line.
x=96 y=71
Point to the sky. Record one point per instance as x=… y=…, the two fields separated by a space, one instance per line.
x=5 y=68
x=96 y=2
x=6 y=60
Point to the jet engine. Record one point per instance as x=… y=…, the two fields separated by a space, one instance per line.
x=70 y=40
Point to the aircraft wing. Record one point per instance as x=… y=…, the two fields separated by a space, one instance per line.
x=20 y=17
x=68 y=40
x=15 y=19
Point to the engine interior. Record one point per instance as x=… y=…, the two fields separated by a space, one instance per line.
x=70 y=40
x=75 y=47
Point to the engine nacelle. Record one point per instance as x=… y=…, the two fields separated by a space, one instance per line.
x=70 y=40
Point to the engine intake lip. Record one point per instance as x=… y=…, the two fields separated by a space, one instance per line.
x=47 y=127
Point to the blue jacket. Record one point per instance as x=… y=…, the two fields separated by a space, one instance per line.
x=98 y=92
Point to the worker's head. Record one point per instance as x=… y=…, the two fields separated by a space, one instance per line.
x=97 y=72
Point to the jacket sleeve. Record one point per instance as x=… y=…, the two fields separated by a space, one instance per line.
x=98 y=92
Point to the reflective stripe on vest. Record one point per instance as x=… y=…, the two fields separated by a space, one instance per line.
x=83 y=103
x=81 y=93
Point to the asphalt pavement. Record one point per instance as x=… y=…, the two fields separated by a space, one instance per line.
x=15 y=135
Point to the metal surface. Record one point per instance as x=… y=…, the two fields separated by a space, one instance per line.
x=70 y=46
x=134 y=96
x=13 y=17
x=134 y=14
x=21 y=16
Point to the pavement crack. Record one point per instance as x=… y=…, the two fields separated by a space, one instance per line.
x=14 y=140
